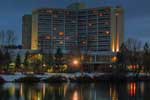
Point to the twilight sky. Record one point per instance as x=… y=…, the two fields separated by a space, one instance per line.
x=137 y=14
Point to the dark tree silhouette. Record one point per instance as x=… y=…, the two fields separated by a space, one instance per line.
x=121 y=59
x=26 y=62
x=18 y=61
x=7 y=59
x=59 y=57
x=146 y=58
x=1 y=59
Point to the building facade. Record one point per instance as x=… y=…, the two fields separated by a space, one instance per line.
x=93 y=29
x=97 y=32
x=26 y=31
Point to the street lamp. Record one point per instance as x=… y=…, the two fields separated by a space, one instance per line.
x=114 y=59
x=75 y=62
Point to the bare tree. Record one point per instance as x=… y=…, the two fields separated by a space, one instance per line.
x=7 y=37
x=2 y=37
x=134 y=47
x=146 y=58
x=10 y=37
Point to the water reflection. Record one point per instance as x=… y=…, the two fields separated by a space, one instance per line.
x=99 y=91
x=132 y=88
x=75 y=96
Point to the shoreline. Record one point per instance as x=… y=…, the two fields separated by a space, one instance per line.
x=73 y=77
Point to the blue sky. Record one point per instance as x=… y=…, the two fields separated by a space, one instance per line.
x=137 y=14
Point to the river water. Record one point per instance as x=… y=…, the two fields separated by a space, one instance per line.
x=74 y=91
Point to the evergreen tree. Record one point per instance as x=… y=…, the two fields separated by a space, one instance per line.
x=7 y=59
x=1 y=59
x=26 y=63
x=121 y=59
x=59 y=57
x=146 y=58
x=18 y=61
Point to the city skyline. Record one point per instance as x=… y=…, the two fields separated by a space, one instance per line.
x=136 y=16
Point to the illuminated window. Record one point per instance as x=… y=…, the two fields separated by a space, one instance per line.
x=83 y=42
x=100 y=14
x=90 y=24
x=117 y=14
x=48 y=37
x=61 y=42
x=67 y=38
x=55 y=28
x=49 y=11
x=107 y=32
x=61 y=33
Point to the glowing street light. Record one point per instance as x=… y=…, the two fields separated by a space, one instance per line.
x=114 y=59
x=75 y=62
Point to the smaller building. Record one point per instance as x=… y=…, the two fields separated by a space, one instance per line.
x=26 y=31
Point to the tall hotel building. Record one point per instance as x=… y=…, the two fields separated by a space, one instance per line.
x=92 y=30
x=26 y=31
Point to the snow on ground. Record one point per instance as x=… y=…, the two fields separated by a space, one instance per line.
x=11 y=78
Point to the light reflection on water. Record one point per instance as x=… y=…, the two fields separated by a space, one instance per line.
x=72 y=91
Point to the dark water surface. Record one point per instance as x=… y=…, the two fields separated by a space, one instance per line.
x=72 y=91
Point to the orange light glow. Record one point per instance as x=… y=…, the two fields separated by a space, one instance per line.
x=132 y=90
x=107 y=32
x=75 y=62
x=61 y=33
x=21 y=90
x=43 y=88
x=114 y=59
x=75 y=96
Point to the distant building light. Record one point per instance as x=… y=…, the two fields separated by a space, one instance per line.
x=61 y=42
x=90 y=24
x=100 y=14
x=107 y=32
x=84 y=42
x=61 y=33
x=75 y=62
x=48 y=37
x=54 y=28
x=114 y=59
x=67 y=38
x=117 y=14
x=49 y=11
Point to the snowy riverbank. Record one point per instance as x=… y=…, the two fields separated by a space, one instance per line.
x=92 y=77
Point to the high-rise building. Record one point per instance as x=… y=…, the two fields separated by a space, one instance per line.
x=88 y=29
x=26 y=31
x=97 y=32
